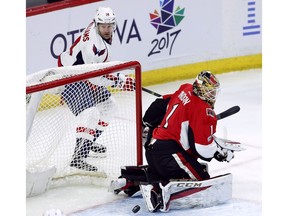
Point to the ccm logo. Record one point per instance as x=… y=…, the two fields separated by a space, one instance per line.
x=190 y=184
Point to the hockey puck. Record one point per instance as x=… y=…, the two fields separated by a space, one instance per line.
x=136 y=209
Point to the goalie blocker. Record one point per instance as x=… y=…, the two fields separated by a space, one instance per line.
x=175 y=193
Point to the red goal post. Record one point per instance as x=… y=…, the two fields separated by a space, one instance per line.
x=44 y=149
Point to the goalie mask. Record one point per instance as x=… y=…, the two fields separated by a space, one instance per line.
x=206 y=87
x=105 y=15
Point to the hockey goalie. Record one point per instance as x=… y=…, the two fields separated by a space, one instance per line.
x=179 y=129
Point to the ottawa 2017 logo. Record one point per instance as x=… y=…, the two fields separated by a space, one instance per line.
x=163 y=22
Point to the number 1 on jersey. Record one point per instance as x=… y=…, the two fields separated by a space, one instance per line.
x=174 y=107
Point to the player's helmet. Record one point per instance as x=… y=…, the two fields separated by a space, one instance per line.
x=105 y=15
x=206 y=86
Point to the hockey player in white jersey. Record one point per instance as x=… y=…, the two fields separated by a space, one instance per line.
x=89 y=100
x=94 y=45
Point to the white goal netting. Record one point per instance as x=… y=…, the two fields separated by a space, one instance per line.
x=84 y=120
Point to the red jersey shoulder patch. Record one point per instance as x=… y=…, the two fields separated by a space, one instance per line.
x=210 y=112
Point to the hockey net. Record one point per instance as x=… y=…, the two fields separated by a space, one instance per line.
x=56 y=104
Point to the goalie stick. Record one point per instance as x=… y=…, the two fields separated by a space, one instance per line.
x=231 y=111
x=151 y=92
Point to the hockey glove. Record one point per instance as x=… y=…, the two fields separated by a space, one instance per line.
x=124 y=82
x=223 y=154
x=145 y=131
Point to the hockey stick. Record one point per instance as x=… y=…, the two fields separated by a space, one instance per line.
x=151 y=92
x=231 y=111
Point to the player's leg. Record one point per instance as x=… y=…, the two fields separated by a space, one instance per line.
x=167 y=159
x=83 y=146
x=97 y=150
x=80 y=99
x=85 y=134
x=170 y=161
x=107 y=111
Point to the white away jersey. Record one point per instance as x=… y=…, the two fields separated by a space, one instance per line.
x=88 y=48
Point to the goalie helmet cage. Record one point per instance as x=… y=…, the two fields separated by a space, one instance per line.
x=51 y=123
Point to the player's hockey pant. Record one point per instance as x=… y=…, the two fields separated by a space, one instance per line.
x=167 y=159
x=83 y=95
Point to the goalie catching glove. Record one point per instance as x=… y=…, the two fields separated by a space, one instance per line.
x=125 y=82
x=225 y=149
x=223 y=154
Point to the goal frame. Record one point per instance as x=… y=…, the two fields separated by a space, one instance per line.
x=100 y=72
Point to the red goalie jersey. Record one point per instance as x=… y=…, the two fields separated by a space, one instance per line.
x=191 y=122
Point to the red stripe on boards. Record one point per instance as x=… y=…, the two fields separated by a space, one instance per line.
x=45 y=8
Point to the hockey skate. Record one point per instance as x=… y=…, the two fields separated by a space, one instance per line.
x=83 y=166
x=98 y=151
x=83 y=146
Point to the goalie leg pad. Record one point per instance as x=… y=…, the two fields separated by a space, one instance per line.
x=152 y=199
x=187 y=193
x=165 y=192
x=210 y=192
